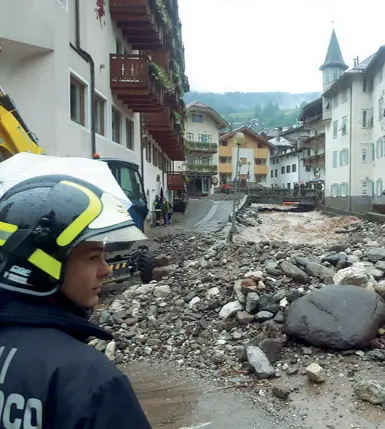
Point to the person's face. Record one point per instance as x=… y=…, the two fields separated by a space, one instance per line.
x=86 y=268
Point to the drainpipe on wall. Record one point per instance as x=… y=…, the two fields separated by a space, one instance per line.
x=350 y=148
x=143 y=142
x=87 y=57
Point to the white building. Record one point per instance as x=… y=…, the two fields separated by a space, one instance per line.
x=81 y=77
x=299 y=155
x=201 y=147
x=353 y=112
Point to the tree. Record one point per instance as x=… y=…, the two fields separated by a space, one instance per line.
x=257 y=111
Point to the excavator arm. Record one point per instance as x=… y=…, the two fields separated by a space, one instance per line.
x=15 y=136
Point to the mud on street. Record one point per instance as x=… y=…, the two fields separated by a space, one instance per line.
x=247 y=335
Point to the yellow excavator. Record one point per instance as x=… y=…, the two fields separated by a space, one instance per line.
x=16 y=137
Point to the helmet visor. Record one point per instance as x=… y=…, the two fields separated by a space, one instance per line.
x=114 y=224
x=121 y=235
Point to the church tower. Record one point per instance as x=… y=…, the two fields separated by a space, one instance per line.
x=334 y=65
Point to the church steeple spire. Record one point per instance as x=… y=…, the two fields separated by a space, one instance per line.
x=334 y=65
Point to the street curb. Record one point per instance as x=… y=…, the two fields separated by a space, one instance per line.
x=227 y=229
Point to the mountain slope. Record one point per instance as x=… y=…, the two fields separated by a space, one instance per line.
x=237 y=102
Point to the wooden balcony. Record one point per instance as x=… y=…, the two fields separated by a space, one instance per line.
x=201 y=169
x=133 y=82
x=163 y=128
x=139 y=23
x=201 y=147
x=314 y=160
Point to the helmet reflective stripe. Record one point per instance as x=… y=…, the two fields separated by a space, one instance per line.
x=6 y=230
x=46 y=263
x=82 y=221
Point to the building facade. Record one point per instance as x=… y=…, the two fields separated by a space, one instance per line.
x=201 y=148
x=354 y=117
x=254 y=157
x=99 y=77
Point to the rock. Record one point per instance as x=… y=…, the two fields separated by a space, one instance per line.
x=259 y=362
x=351 y=276
x=272 y=347
x=161 y=261
x=371 y=391
x=160 y=272
x=294 y=272
x=252 y=302
x=249 y=286
x=267 y=303
x=315 y=373
x=280 y=391
x=244 y=318
x=261 y=316
x=336 y=316
x=376 y=254
x=241 y=297
x=230 y=309
x=320 y=271
x=111 y=351
x=162 y=291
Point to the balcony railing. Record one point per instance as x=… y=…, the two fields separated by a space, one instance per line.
x=199 y=168
x=140 y=23
x=314 y=160
x=133 y=82
x=201 y=147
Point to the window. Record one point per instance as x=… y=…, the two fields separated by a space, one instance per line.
x=379 y=187
x=271 y=173
x=334 y=189
x=335 y=101
x=130 y=183
x=129 y=134
x=344 y=189
x=282 y=170
x=190 y=137
x=100 y=115
x=288 y=169
x=371 y=117
x=204 y=138
x=77 y=100
x=116 y=122
x=335 y=159
x=344 y=157
x=367 y=188
x=364 y=85
x=223 y=143
x=294 y=168
x=381 y=109
x=155 y=155
x=379 y=148
x=367 y=152
x=197 y=118
x=335 y=129
x=344 y=96
x=344 y=125
x=276 y=172
x=261 y=146
x=260 y=161
x=260 y=178
x=365 y=117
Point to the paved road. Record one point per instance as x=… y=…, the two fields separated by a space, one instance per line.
x=202 y=215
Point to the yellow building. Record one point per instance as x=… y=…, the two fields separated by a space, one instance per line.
x=254 y=157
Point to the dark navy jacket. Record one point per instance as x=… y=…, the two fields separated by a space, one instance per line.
x=51 y=379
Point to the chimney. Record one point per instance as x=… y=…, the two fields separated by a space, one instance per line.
x=356 y=61
x=279 y=133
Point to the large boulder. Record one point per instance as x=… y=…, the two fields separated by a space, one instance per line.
x=337 y=316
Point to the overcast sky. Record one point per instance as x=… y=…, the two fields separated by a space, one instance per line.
x=273 y=45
